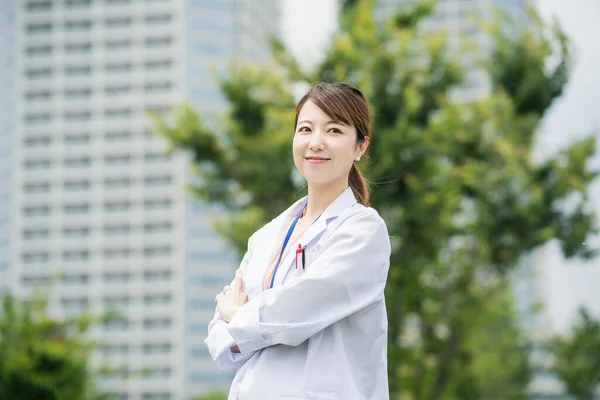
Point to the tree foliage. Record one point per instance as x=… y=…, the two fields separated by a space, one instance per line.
x=42 y=358
x=575 y=357
x=454 y=180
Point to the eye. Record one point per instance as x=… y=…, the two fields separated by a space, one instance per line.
x=335 y=130
x=304 y=129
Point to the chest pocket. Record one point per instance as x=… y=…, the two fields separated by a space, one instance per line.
x=309 y=257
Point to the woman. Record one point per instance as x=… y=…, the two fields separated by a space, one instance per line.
x=305 y=316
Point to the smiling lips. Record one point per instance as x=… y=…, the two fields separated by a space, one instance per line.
x=316 y=160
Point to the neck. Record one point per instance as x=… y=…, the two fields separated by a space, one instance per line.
x=321 y=196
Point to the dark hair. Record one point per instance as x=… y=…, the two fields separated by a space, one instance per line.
x=345 y=103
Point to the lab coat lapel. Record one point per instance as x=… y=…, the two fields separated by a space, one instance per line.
x=271 y=239
x=314 y=232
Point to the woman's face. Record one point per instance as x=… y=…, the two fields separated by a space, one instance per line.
x=324 y=149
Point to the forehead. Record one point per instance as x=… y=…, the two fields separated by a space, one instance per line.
x=310 y=111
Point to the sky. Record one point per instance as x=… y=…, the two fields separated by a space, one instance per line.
x=307 y=25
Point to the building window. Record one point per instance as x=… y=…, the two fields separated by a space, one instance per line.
x=156 y=348
x=157 y=300
x=115 y=325
x=200 y=352
x=36 y=187
x=202 y=304
x=36 y=165
x=77 y=139
x=42 y=95
x=112 y=349
x=38 y=119
x=117 y=113
x=112 y=23
x=156 y=324
x=35 y=257
x=115 y=45
x=83 y=208
x=117 y=206
x=116 y=301
x=162 y=251
x=153 y=181
x=77 y=162
x=78 y=116
x=157 y=204
x=39 y=50
x=158 y=87
x=117 y=90
x=117 y=277
x=37 y=142
x=117 y=253
x=39 y=28
x=117 y=136
x=117 y=183
x=71 y=186
x=159 y=227
x=37 y=6
x=70 y=279
x=78 y=3
x=118 y=68
x=157 y=276
x=78 y=70
x=151 y=157
x=36 y=211
x=76 y=231
x=158 y=42
x=36 y=280
x=78 y=26
x=38 y=73
x=34 y=234
x=160 y=372
x=75 y=255
x=78 y=48
x=160 y=19
x=117 y=159
x=117 y=230
x=76 y=303
x=158 y=65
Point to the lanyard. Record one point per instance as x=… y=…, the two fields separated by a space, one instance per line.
x=285 y=242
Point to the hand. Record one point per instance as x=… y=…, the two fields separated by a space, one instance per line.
x=232 y=298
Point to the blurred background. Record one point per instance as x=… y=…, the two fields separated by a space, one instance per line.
x=143 y=141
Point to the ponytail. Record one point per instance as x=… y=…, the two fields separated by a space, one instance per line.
x=359 y=185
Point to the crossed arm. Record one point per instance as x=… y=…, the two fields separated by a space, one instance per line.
x=348 y=276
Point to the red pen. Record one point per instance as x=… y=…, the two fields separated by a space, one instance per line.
x=300 y=252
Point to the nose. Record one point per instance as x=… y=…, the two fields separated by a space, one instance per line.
x=316 y=140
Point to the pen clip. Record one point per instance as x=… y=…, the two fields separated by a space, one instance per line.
x=300 y=250
x=303 y=257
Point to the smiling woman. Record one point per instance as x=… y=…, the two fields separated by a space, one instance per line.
x=305 y=316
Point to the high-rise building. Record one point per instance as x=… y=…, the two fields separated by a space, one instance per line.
x=7 y=66
x=96 y=211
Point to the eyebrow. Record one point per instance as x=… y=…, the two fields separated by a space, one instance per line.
x=327 y=123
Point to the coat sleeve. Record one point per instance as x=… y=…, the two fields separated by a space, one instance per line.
x=219 y=340
x=349 y=275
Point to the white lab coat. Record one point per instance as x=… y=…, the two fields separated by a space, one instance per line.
x=319 y=333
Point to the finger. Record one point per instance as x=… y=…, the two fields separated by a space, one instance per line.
x=225 y=289
x=239 y=274
x=238 y=284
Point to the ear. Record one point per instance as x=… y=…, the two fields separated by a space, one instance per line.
x=361 y=147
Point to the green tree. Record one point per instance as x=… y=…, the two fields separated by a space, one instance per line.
x=42 y=358
x=455 y=182
x=575 y=359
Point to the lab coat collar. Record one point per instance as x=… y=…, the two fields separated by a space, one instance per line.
x=344 y=201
